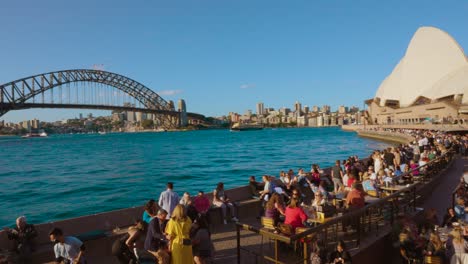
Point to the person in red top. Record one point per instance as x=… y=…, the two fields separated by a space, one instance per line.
x=351 y=180
x=294 y=215
x=355 y=198
x=201 y=203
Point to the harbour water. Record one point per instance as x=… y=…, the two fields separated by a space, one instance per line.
x=65 y=176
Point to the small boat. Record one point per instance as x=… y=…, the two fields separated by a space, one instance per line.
x=102 y=132
x=246 y=127
x=35 y=135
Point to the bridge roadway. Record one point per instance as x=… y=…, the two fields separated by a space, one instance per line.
x=98 y=107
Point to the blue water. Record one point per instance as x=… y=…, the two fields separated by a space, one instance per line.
x=66 y=176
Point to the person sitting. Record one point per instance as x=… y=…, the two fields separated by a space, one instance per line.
x=67 y=248
x=414 y=168
x=355 y=198
x=460 y=209
x=23 y=235
x=408 y=250
x=155 y=236
x=318 y=200
x=457 y=247
x=267 y=188
x=340 y=255
x=254 y=187
x=435 y=247
x=201 y=203
x=294 y=214
x=450 y=218
x=201 y=241
x=151 y=208
x=288 y=182
x=221 y=200
x=186 y=201
x=274 y=207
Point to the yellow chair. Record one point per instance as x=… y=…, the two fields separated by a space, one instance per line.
x=372 y=193
x=433 y=260
x=268 y=223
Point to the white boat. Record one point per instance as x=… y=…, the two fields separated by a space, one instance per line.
x=102 y=132
x=35 y=135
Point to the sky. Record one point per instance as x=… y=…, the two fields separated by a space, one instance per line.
x=222 y=56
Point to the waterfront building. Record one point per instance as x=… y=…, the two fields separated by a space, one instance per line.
x=320 y=120
x=297 y=108
x=260 y=109
x=35 y=124
x=342 y=109
x=306 y=110
x=25 y=124
x=302 y=121
x=284 y=111
x=427 y=85
x=326 y=109
x=315 y=109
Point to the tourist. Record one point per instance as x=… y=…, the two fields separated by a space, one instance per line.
x=67 y=248
x=315 y=174
x=337 y=176
x=163 y=255
x=351 y=180
x=355 y=198
x=202 y=244
x=23 y=235
x=389 y=158
x=460 y=209
x=450 y=218
x=254 y=187
x=408 y=251
x=201 y=203
x=435 y=247
x=155 y=236
x=288 y=182
x=267 y=188
x=190 y=210
x=371 y=173
x=221 y=200
x=457 y=247
x=151 y=208
x=377 y=161
x=169 y=199
x=340 y=255
x=318 y=201
x=123 y=247
x=414 y=168
x=178 y=234
x=274 y=208
x=346 y=178
x=294 y=214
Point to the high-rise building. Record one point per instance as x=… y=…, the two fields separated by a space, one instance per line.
x=81 y=116
x=315 y=109
x=297 y=107
x=260 y=109
x=35 y=124
x=326 y=109
x=306 y=109
x=342 y=109
x=181 y=107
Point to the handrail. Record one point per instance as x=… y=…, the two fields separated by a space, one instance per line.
x=361 y=211
x=348 y=215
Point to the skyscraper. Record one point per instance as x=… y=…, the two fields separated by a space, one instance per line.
x=260 y=109
x=297 y=107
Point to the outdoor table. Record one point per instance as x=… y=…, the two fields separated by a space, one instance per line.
x=392 y=189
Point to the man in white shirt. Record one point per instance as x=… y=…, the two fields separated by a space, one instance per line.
x=67 y=248
x=169 y=199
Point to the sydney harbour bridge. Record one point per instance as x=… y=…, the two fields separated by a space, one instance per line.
x=90 y=89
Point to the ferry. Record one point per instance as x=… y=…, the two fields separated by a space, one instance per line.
x=35 y=135
x=246 y=127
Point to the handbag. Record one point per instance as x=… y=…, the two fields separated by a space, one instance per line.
x=186 y=242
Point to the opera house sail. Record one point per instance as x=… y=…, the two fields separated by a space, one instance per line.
x=427 y=85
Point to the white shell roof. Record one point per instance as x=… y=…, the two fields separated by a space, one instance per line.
x=434 y=66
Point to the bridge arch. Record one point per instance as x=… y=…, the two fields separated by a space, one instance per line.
x=16 y=93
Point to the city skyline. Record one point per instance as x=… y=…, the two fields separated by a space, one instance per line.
x=223 y=57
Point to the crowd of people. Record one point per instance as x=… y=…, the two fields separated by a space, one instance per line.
x=175 y=229
x=435 y=239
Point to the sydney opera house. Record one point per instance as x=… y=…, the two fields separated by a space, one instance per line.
x=429 y=84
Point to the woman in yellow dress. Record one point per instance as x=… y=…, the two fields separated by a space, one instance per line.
x=178 y=233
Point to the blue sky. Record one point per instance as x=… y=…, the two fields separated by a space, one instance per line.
x=220 y=55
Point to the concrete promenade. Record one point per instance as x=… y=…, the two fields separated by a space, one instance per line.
x=441 y=127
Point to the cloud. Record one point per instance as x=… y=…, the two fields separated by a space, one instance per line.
x=247 y=86
x=169 y=92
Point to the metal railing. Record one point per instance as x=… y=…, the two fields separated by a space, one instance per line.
x=368 y=219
